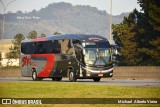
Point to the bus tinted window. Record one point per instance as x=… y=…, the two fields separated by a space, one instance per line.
x=53 y=46
x=103 y=44
x=66 y=47
x=28 y=48
x=76 y=42
x=41 y=47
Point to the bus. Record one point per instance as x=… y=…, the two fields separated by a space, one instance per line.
x=76 y=56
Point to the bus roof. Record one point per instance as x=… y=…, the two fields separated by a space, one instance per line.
x=81 y=37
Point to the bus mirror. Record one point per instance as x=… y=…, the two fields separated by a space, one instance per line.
x=114 y=52
x=84 y=52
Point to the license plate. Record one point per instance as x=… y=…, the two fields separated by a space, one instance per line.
x=100 y=75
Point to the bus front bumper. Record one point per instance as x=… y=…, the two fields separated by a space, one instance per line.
x=99 y=73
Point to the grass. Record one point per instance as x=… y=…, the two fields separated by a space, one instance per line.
x=74 y=90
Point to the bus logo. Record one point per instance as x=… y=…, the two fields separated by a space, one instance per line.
x=26 y=60
x=95 y=39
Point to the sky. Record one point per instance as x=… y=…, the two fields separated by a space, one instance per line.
x=118 y=6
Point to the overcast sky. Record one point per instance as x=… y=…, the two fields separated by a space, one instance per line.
x=118 y=6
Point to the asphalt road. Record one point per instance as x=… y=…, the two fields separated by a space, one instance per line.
x=103 y=81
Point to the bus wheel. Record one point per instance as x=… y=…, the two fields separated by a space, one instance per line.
x=34 y=76
x=96 y=79
x=59 y=78
x=56 y=78
x=53 y=79
x=72 y=77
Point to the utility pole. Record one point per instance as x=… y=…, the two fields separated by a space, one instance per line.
x=110 y=38
x=3 y=25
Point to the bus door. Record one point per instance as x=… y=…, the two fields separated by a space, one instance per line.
x=66 y=56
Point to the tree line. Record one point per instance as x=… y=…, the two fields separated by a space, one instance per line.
x=138 y=36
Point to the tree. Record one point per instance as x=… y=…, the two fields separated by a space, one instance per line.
x=151 y=9
x=56 y=33
x=151 y=16
x=43 y=35
x=138 y=36
x=125 y=37
x=14 y=51
x=32 y=35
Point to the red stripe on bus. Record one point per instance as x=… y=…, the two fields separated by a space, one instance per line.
x=50 y=59
x=38 y=39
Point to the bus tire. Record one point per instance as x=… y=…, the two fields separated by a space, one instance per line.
x=56 y=78
x=59 y=78
x=35 y=77
x=96 y=79
x=72 y=76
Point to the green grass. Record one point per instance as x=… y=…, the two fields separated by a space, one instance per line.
x=73 y=90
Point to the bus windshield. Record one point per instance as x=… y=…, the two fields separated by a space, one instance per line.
x=97 y=56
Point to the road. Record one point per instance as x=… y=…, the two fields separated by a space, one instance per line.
x=103 y=81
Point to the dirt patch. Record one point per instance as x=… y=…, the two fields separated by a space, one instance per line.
x=10 y=72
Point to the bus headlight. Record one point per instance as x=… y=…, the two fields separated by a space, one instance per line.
x=111 y=74
x=88 y=74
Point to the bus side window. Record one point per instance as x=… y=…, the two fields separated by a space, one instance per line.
x=53 y=47
x=41 y=48
x=66 y=47
x=32 y=48
x=23 y=49
x=56 y=47
x=64 y=44
x=28 y=48
x=70 y=48
x=76 y=42
x=49 y=47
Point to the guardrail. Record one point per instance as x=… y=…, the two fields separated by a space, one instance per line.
x=137 y=72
